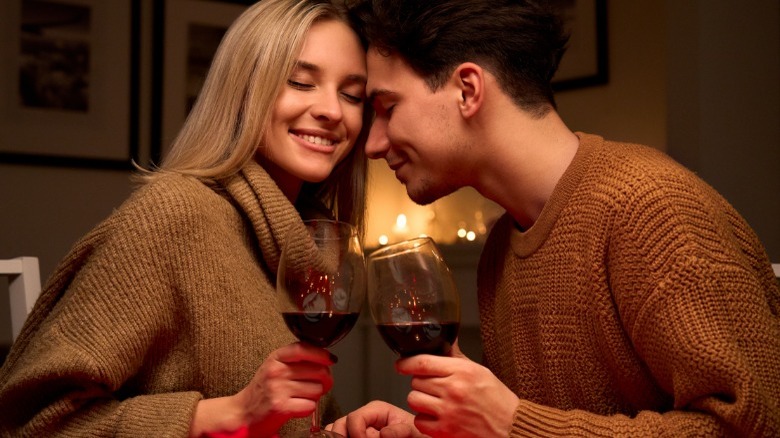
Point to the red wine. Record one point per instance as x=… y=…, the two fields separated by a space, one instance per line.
x=410 y=338
x=322 y=329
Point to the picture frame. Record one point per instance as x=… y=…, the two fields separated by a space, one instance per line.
x=585 y=62
x=186 y=34
x=69 y=95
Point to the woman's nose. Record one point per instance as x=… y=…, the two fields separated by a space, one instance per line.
x=327 y=107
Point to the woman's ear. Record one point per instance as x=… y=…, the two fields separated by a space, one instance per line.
x=470 y=79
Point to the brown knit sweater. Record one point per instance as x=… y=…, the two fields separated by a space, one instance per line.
x=639 y=304
x=168 y=301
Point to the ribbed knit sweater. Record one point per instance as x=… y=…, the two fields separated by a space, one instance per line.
x=639 y=304
x=168 y=301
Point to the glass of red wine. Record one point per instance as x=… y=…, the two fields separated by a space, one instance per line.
x=413 y=299
x=321 y=285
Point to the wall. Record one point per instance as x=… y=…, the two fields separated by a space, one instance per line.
x=632 y=106
x=44 y=210
x=724 y=103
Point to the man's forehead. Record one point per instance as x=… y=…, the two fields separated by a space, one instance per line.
x=380 y=62
x=385 y=72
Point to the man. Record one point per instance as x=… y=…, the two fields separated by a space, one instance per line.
x=620 y=295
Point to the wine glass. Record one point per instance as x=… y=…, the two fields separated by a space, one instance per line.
x=321 y=286
x=413 y=299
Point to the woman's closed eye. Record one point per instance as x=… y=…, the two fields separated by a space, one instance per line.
x=299 y=85
x=352 y=98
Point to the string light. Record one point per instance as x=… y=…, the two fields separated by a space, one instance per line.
x=400 y=221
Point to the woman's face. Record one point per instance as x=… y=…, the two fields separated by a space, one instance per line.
x=318 y=114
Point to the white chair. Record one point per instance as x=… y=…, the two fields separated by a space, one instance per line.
x=24 y=286
x=776 y=267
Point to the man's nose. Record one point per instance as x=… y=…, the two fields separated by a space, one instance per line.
x=377 y=144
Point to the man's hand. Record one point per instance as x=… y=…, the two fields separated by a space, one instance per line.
x=377 y=419
x=456 y=397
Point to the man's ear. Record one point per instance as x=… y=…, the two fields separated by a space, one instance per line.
x=470 y=79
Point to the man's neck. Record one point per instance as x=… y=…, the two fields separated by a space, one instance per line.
x=527 y=157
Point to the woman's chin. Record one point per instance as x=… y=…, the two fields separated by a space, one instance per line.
x=315 y=177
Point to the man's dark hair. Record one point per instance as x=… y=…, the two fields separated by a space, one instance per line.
x=520 y=42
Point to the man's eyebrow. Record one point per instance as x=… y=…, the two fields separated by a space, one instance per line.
x=379 y=92
x=308 y=66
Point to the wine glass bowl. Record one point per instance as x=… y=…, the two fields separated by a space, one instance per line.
x=412 y=297
x=321 y=286
x=321 y=281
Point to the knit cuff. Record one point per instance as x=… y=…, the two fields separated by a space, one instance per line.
x=536 y=420
x=167 y=415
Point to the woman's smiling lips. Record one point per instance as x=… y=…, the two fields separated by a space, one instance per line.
x=320 y=140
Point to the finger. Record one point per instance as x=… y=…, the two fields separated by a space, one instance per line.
x=368 y=420
x=339 y=426
x=427 y=424
x=308 y=370
x=280 y=374
x=398 y=431
x=456 y=351
x=303 y=352
x=300 y=407
x=308 y=390
x=426 y=365
x=428 y=385
x=423 y=403
x=356 y=425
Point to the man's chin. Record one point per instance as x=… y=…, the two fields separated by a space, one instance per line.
x=426 y=195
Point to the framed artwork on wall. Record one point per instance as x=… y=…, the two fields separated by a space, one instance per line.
x=69 y=83
x=186 y=36
x=585 y=62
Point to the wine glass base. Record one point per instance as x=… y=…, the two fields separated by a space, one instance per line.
x=321 y=434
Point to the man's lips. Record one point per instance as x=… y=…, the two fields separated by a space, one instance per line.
x=395 y=165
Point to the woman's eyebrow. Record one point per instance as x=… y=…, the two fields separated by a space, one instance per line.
x=314 y=68
x=308 y=66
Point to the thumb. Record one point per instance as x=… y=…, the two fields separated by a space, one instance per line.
x=456 y=352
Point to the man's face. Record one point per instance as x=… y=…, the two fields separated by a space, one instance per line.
x=415 y=129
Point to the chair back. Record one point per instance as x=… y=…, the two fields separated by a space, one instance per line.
x=24 y=286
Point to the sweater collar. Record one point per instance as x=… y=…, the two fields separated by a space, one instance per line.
x=270 y=212
x=526 y=242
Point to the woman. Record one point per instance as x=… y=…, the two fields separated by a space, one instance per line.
x=162 y=321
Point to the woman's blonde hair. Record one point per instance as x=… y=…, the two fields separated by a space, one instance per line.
x=233 y=110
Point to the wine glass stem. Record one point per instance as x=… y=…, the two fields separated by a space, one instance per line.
x=315 y=418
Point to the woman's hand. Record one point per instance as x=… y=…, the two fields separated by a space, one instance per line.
x=287 y=385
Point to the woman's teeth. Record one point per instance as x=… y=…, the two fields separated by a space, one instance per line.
x=317 y=140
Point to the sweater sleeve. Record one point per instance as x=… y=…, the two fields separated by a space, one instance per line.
x=693 y=287
x=77 y=373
